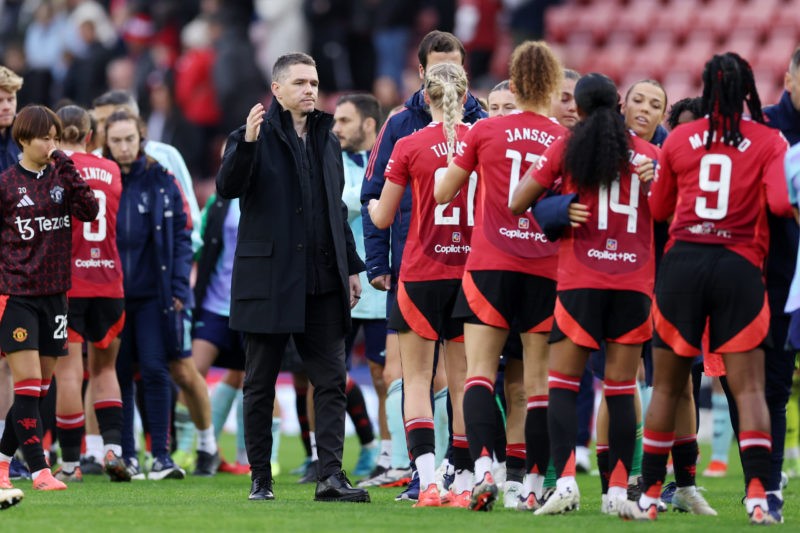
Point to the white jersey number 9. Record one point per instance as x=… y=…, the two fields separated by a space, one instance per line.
x=722 y=187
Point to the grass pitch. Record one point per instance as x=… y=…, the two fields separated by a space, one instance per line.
x=220 y=504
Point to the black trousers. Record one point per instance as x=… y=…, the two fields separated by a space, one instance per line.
x=321 y=346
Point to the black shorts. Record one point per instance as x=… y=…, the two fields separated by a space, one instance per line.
x=426 y=308
x=699 y=286
x=34 y=323
x=589 y=316
x=97 y=320
x=509 y=300
x=214 y=329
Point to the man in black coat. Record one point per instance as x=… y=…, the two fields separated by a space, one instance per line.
x=296 y=267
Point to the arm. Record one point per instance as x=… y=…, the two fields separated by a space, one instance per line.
x=663 y=191
x=351 y=195
x=775 y=181
x=382 y=211
x=448 y=187
x=182 y=251
x=236 y=171
x=82 y=201
x=528 y=190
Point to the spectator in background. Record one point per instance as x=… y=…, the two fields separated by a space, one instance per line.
x=86 y=76
x=393 y=23
x=281 y=28
x=476 y=26
x=329 y=23
x=44 y=50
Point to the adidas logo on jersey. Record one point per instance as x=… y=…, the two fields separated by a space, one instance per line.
x=25 y=201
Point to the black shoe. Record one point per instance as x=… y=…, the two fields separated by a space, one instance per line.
x=311 y=475
x=261 y=489
x=207 y=464
x=337 y=488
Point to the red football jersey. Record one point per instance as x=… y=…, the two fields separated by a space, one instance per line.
x=719 y=196
x=438 y=241
x=614 y=248
x=501 y=149
x=96 y=267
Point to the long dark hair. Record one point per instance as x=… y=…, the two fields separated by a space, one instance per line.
x=597 y=149
x=728 y=83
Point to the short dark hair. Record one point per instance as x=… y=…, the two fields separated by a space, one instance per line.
x=794 y=64
x=117 y=98
x=366 y=105
x=34 y=121
x=692 y=105
x=287 y=60
x=439 y=41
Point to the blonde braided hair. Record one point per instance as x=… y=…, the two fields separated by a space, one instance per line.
x=446 y=85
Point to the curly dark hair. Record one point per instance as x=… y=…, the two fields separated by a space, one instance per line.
x=692 y=105
x=597 y=149
x=536 y=73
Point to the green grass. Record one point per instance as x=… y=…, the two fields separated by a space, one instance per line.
x=220 y=504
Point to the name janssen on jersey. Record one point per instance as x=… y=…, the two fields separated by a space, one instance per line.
x=514 y=233
x=451 y=249
x=95 y=263
x=605 y=255
x=94 y=173
x=699 y=141
x=529 y=134
x=27 y=226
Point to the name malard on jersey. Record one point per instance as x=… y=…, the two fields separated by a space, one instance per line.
x=27 y=226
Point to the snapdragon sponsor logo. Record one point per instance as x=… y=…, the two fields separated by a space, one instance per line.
x=95 y=263
x=27 y=226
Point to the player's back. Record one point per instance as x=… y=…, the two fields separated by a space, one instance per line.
x=438 y=240
x=502 y=149
x=96 y=268
x=720 y=195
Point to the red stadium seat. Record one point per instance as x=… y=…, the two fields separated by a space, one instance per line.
x=774 y=54
x=559 y=20
x=716 y=17
x=744 y=42
x=693 y=56
x=653 y=58
x=637 y=19
x=678 y=17
x=597 y=19
x=612 y=60
x=757 y=15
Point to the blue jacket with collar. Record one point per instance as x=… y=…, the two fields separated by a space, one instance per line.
x=379 y=243
x=152 y=203
x=9 y=151
x=783 y=116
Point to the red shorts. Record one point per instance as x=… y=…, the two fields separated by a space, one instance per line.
x=426 y=308
x=704 y=286
x=589 y=316
x=509 y=300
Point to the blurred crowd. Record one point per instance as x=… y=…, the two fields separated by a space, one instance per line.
x=197 y=66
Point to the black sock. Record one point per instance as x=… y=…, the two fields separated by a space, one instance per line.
x=537 y=440
x=684 y=460
x=602 y=466
x=301 y=406
x=70 y=430
x=756 y=449
x=479 y=416
x=562 y=421
x=461 y=457
x=515 y=461
x=357 y=409
x=109 y=418
x=656 y=448
x=420 y=436
x=621 y=429
x=27 y=423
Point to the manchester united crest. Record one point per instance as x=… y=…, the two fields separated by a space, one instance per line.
x=57 y=194
x=19 y=334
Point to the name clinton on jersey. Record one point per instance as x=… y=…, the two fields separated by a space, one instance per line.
x=27 y=226
x=94 y=173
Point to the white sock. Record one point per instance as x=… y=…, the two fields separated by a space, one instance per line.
x=5 y=458
x=206 y=440
x=116 y=448
x=69 y=467
x=426 y=468
x=617 y=493
x=36 y=474
x=565 y=482
x=689 y=490
x=2 y=426
x=241 y=457
x=94 y=446
x=464 y=481
x=646 y=501
x=752 y=503
x=777 y=493
x=538 y=485
x=312 y=437
x=385 y=457
x=276 y=438
x=483 y=465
